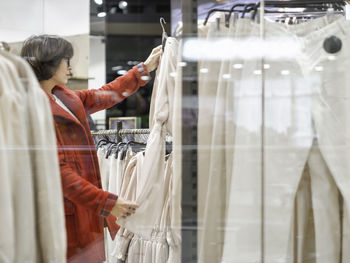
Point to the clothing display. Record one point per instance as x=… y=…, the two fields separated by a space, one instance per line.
x=127 y=246
x=147 y=178
x=305 y=125
x=32 y=227
x=246 y=158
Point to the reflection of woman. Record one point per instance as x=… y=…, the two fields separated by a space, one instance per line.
x=87 y=207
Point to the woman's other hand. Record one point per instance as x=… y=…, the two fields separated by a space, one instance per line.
x=123 y=208
x=152 y=61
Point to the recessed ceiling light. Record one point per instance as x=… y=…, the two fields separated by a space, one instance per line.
x=122 y=72
x=101 y=14
x=257 y=72
x=237 y=66
x=123 y=4
x=285 y=72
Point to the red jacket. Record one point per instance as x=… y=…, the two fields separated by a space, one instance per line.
x=87 y=206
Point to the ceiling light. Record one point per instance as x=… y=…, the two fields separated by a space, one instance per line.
x=257 y=72
x=319 y=68
x=101 y=14
x=123 y=4
x=98 y=2
x=204 y=70
x=237 y=66
x=116 y=68
x=285 y=72
x=122 y=72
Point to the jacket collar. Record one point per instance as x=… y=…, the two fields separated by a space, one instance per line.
x=72 y=102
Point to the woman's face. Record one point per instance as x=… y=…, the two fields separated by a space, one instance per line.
x=63 y=72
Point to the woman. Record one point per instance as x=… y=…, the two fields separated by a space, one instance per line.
x=87 y=207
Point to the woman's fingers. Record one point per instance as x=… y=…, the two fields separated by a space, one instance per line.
x=124 y=208
x=157 y=49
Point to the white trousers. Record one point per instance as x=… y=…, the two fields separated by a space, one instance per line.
x=293 y=100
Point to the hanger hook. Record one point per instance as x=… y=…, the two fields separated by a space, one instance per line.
x=162 y=23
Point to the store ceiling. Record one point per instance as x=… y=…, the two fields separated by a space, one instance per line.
x=128 y=17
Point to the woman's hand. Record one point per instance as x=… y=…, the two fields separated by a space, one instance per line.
x=152 y=61
x=123 y=208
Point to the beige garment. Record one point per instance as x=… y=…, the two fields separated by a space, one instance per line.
x=207 y=89
x=325 y=202
x=221 y=127
x=176 y=182
x=103 y=163
x=116 y=174
x=151 y=183
x=49 y=206
x=39 y=135
x=12 y=117
x=128 y=191
x=155 y=249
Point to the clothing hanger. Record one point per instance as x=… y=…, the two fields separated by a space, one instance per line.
x=213 y=11
x=228 y=16
x=311 y=6
x=135 y=147
x=104 y=141
x=164 y=34
x=119 y=147
x=248 y=8
x=110 y=149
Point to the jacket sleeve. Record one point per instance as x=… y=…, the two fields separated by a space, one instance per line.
x=114 y=92
x=82 y=192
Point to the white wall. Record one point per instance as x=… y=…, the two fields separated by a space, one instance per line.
x=97 y=69
x=20 y=19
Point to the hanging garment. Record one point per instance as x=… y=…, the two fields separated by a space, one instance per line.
x=287 y=145
x=41 y=240
x=243 y=225
x=49 y=207
x=151 y=183
x=117 y=166
x=19 y=173
x=155 y=249
x=209 y=72
x=325 y=202
x=329 y=111
x=7 y=226
x=128 y=192
x=104 y=164
x=221 y=154
x=176 y=182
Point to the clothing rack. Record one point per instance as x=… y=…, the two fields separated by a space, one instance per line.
x=339 y=7
x=120 y=131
